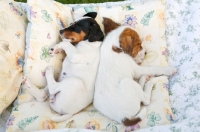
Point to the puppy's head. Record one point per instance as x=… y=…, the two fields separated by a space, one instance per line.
x=82 y=29
x=130 y=42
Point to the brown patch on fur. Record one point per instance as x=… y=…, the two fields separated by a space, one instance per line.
x=130 y=42
x=131 y=122
x=75 y=37
x=116 y=49
x=109 y=25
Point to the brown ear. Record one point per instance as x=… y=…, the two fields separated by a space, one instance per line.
x=109 y=25
x=130 y=42
x=126 y=44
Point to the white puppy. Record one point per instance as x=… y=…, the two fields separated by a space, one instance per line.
x=76 y=87
x=117 y=95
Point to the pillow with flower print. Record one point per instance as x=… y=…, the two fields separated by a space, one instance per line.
x=46 y=18
x=12 y=46
x=159 y=111
x=147 y=18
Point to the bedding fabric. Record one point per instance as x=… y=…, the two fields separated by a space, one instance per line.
x=148 y=21
x=12 y=47
x=182 y=33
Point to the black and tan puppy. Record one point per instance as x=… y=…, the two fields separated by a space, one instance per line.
x=84 y=28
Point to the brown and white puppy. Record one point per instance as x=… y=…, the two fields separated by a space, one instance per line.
x=117 y=95
x=75 y=88
x=136 y=51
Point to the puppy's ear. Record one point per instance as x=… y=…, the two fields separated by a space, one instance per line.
x=126 y=43
x=95 y=33
x=130 y=42
x=109 y=25
x=91 y=14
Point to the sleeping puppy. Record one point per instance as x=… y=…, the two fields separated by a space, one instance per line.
x=76 y=87
x=117 y=95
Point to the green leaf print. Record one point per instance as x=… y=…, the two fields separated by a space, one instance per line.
x=191 y=28
x=126 y=7
x=23 y=123
x=111 y=127
x=46 y=16
x=153 y=118
x=4 y=46
x=174 y=129
x=45 y=54
x=90 y=9
x=145 y=20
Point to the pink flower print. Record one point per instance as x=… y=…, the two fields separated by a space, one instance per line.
x=132 y=128
x=93 y=125
x=165 y=52
x=48 y=36
x=130 y=20
x=43 y=73
x=166 y=86
x=10 y=121
x=32 y=13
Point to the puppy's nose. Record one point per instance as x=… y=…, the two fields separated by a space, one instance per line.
x=61 y=31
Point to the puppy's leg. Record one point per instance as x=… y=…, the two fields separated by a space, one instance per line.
x=39 y=94
x=147 y=91
x=154 y=71
x=131 y=90
x=143 y=80
x=71 y=51
x=51 y=83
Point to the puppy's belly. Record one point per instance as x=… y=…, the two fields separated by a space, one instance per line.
x=83 y=71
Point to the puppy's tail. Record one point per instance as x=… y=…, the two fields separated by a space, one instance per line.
x=136 y=119
x=61 y=118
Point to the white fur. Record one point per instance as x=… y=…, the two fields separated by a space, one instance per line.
x=75 y=89
x=117 y=95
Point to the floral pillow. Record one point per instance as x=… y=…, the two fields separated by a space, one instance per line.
x=38 y=116
x=147 y=18
x=13 y=23
x=46 y=18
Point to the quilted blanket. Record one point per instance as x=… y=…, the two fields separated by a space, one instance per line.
x=183 y=42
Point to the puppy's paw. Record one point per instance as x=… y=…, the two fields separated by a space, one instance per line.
x=24 y=78
x=149 y=84
x=54 y=50
x=52 y=99
x=49 y=70
x=25 y=82
x=144 y=78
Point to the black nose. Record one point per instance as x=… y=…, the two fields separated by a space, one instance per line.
x=61 y=31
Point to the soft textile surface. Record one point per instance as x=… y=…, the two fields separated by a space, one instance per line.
x=12 y=46
x=148 y=19
x=46 y=18
x=150 y=25
x=182 y=32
